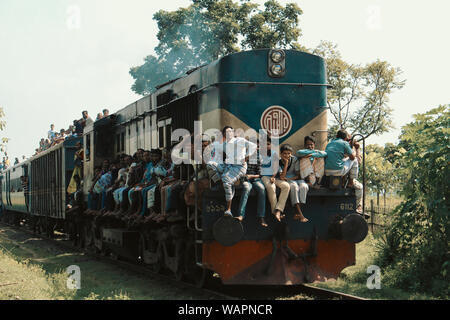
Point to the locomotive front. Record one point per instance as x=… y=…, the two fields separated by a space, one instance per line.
x=283 y=91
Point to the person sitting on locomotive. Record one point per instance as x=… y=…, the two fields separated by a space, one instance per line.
x=118 y=169
x=290 y=173
x=104 y=182
x=192 y=175
x=99 y=116
x=235 y=150
x=93 y=197
x=105 y=113
x=357 y=185
x=123 y=190
x=253 y=181
x=341 y=160
x=122 y=176
x=163 y=177
x=153 y=172
x=135 y=173
x=159 y=198
x=312 y=164
x=269 y=170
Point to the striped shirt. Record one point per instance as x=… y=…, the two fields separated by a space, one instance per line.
x=255 y=169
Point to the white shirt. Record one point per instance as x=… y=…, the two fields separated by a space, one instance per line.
x=51 y=134
x=236 y=150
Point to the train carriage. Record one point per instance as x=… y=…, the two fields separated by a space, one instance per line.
x=48 y=175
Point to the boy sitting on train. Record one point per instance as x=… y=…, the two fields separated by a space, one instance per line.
x=235 y=150
x=134 y=176
x=194 y=177
x=156 y=197
x=356 y=148
x=290 y=173
x=341 y=160
x=312 y=164
x=153 y=171
x=119 y=179
x=269 y=171
x=253 y=181
x=93 y=197
x=129 y=182
x=100 y=187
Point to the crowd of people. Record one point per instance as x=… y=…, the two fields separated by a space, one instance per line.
x=75 y=130
x=148 y=184
x=294 y=173
x=6 y=163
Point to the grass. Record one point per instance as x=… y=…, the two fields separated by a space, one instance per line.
x=353 y=280
x=34 y=269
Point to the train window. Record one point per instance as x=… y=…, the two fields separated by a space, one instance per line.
x=164 y=132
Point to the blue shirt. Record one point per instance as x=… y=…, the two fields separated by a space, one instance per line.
x=336 y=151
x=148 y=173
x=311 y=153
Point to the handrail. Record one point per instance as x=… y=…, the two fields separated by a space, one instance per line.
x=363 y=138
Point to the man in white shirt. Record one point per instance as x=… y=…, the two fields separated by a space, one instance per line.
x=235 y=150
x=51 y=133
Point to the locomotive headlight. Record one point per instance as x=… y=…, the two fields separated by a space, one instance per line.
x=276 y=63
x=277 y=56
x=276 y=69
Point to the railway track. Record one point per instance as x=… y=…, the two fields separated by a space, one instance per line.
x=214 y=289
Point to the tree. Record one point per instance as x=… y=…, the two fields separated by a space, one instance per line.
x=415 y=253
x=381 y=175
x=208 y=29
x=359 y=98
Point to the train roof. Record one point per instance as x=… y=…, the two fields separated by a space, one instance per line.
x=202 y=73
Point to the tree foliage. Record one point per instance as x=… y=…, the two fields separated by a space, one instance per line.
x=208 y=29
x=358 y=100
x=381 y=175
x=415 y=253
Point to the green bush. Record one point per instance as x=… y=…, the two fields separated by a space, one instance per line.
x=414 y=251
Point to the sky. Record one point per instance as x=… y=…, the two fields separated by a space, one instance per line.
x=60 y=57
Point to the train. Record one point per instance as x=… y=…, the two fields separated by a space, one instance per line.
x=266 y=89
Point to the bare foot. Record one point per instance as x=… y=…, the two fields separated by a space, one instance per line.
x=240 y=218
x=277 y=215
x=300 y=217
x=263 y=222
x=350 y=183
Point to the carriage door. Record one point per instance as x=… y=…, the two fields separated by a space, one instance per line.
x=26 y=186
